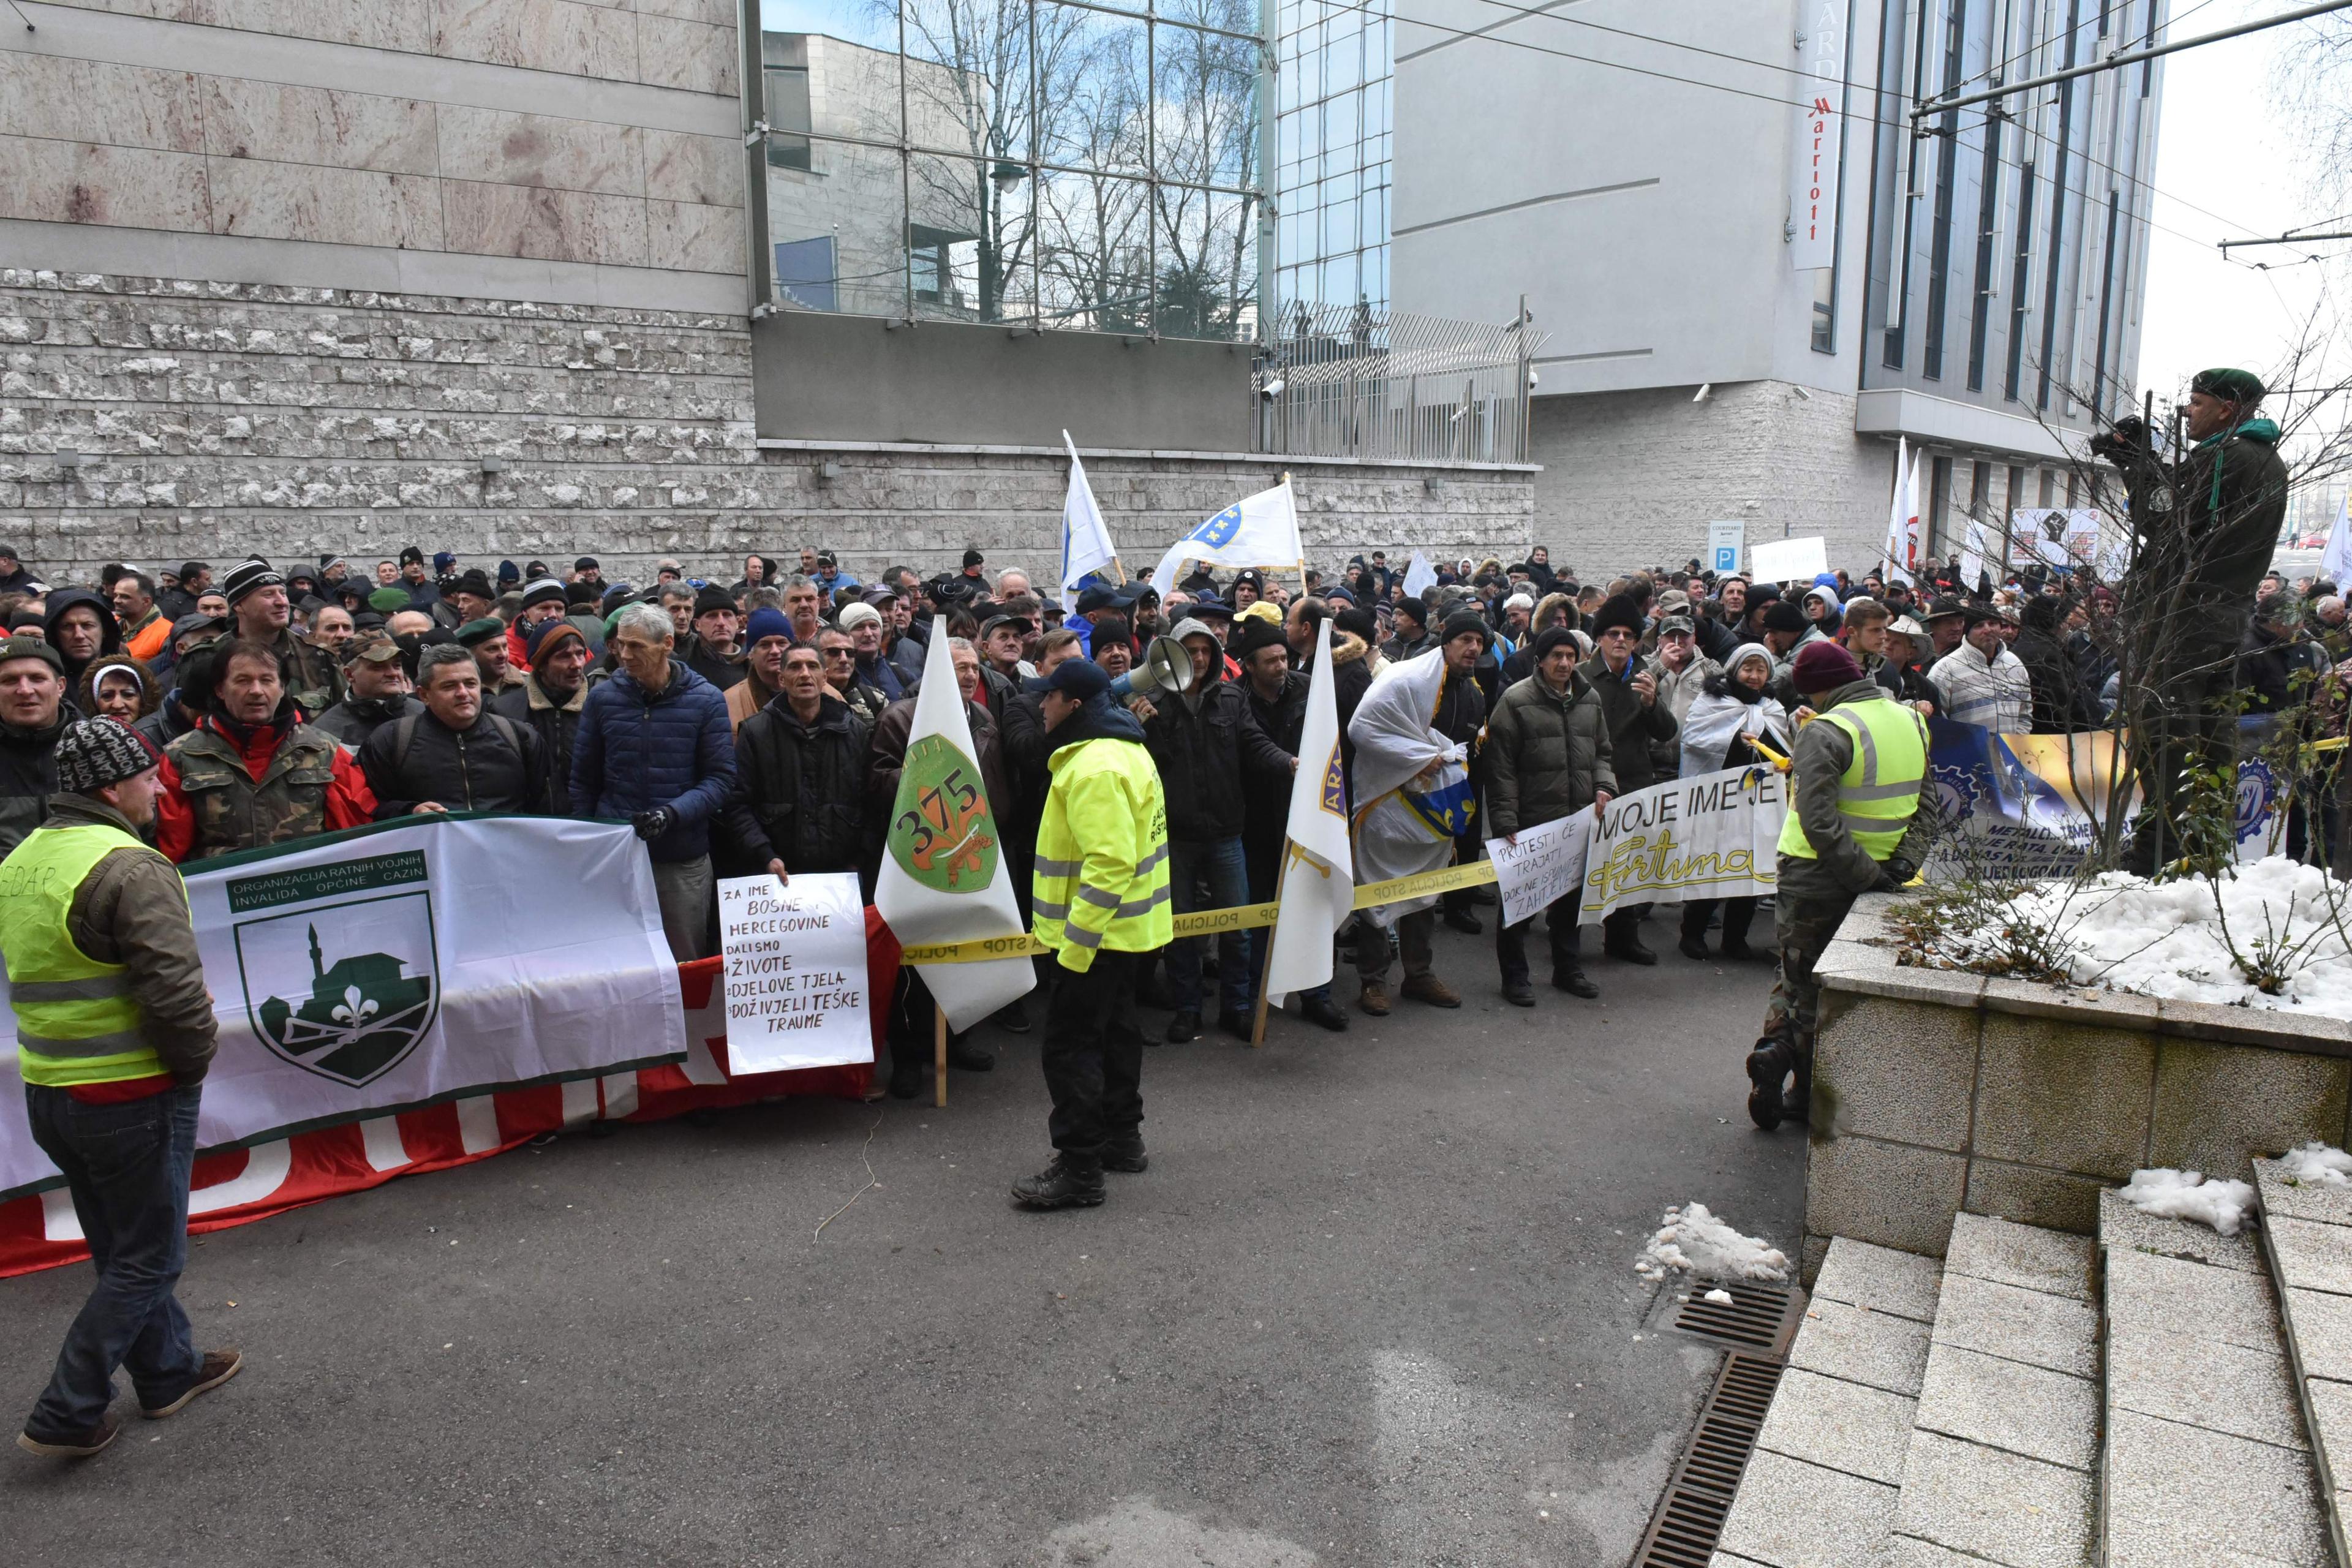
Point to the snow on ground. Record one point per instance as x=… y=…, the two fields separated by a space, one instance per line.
x=2319 y=1165
x=2185 y=1194
x=2166 y=939
x=1695 y=1241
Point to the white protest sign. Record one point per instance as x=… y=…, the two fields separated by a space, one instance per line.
x=796 y=972
x=1713 y=836
x=1788 y=560
x=1543 y=867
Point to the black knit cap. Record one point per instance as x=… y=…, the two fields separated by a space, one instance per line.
x=713 y=598
x=95 y=752
x=248 y=574
x=1784 y=616
x=1255 y=634
x=1467 y=621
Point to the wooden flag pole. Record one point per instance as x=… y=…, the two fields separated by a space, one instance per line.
x=1265 y=967
x=939 y=1055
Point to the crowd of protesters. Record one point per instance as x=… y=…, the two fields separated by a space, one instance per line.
x=759 y=725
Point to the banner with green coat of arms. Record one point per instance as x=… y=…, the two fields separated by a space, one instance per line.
x=429 y=959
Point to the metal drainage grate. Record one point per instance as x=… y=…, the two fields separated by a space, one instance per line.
x=1762 y=1316
x=1690 y=1517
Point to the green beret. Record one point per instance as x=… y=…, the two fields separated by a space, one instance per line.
x=481 y=631
x=389 y=601
x=2239 y=386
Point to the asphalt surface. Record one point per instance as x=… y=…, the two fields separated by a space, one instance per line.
x=1372 y=1304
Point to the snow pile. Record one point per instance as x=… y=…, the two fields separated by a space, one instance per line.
x=2318 y=1164
x=1695 y=1241
x=2185 y=1194
x=2166 y=939
x=1719 y=1296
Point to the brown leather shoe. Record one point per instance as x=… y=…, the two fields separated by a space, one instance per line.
x=1429 y=988
x=1375 y=998
x=218 y=1368
x=79 y=1446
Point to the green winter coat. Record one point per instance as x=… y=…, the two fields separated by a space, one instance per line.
x=1547 y=753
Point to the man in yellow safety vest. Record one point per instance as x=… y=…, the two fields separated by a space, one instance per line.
x=1860 y=816
x=1100 y=898
x=114 y=1031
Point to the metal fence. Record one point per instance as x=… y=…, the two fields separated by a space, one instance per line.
x=1338 y=381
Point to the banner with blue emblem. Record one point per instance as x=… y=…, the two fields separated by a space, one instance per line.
x=1256 y=530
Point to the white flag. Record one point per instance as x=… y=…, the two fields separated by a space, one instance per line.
x=1972 y=559
x=1085 y=542
x=1320 y=890
x=1258 y=531
x=945 y=875
x=2335 y=562
x=1418 y=576
x=1902 y=551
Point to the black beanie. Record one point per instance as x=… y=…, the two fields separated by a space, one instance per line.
x=1551 y=637
x=1784 y=616
x=713 y=598
x=1462 y=621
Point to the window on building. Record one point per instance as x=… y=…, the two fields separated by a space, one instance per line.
x=2049 y=490
x=788 y=115
x=1939 y=505
x=1332 y=102
x=1061 y=166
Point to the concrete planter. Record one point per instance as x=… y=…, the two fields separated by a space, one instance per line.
x=1937 y=1092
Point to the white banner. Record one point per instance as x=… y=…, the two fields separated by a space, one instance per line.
x=1712 y=836
x=1820 y=129
x=1544 y=867
x=428 y=960
x=796 y=971
x=1419 y=576
x=1788 y=560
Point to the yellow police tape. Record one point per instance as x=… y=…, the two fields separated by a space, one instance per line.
x=1208 y=922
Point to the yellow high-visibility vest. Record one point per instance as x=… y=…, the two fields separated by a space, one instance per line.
x=1101 y=877
x=1879 y=790
x=77 y=1021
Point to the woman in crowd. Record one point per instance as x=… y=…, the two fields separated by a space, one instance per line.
x=117 y=687
x=1731 y=710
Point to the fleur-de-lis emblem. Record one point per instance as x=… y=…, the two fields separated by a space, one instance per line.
x=354 y=1010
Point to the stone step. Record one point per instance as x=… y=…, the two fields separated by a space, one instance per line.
x=1821 y=1488
x=2308 y=1246
x=2000 y=1466
x=2198 y=1393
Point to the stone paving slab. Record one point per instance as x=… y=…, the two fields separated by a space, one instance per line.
x=2214 y=1303
x=2003 y=1507
x=2025 y=1256
x=2124 y=1229
x=2313 y=1255
x=1880 y=1279
x=2009 y=1321
x=2180 y=1495
x=2321 y=1323
x=2222 y=1387
x=2027 y=1410
x=1841 y=1425
x=1790 y=1514
x=2284 y=1196
x=1874 y=1348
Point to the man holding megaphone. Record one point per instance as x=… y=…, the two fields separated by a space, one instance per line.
x=1210 y=751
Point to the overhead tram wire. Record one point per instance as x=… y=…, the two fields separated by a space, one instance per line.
x=1905 y=125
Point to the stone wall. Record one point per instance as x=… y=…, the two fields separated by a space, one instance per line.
x=1935 y=1093
x=1632 y=479
x=216 y=419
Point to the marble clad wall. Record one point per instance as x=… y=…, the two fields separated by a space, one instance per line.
x=511 y=162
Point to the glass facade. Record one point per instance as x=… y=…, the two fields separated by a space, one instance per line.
x=1086 y=166
x=1332 y=99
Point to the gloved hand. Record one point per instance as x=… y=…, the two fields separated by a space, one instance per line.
x=1886 y=882
x=2128 y=437
x=651 y=824
x=1902 y=871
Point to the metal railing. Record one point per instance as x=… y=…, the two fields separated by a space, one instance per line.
x=1340 y=381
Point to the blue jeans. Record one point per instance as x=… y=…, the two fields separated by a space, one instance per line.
x=128 y=1167
x=1220 y=864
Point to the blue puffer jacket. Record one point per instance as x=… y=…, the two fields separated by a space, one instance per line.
x=634 y=752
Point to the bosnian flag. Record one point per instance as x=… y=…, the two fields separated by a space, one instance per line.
x=1258 y=531
x=1319 y=889
x=1902 y=520
x=945 y=874
x=1086 y=541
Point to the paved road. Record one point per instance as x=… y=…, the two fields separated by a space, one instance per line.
x=1373 y=1304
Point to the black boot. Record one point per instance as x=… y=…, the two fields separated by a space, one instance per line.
x=1126 y=1155
x=1183 y=1027
x=1464 y=921
x=1060 y=1185
x=965 y=1056
x=1694 y=948
x=906 y=1074
x=1324 y=1011
x=1767 y=1068
x=1797 y=1105
x=1576 y=983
